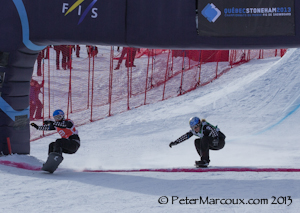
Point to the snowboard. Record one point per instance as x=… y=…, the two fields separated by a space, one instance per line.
x=54 y=159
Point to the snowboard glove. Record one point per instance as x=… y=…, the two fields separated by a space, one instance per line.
x=48 y=122
x=34 y=125
x=172 y=144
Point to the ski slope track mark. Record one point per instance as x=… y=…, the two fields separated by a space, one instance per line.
x=20 y=165
x=209 y=169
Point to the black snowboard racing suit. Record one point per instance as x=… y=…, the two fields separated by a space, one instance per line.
x=210 y=138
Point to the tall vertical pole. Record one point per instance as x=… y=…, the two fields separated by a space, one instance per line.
x=146 y=84
x=110 y=80
x=166 y=75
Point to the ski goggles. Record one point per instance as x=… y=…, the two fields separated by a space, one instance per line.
x=196 y=126
x=58 y=117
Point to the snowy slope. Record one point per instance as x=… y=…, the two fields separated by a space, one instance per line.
x=255 y=105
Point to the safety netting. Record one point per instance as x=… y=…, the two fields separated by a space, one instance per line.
x=90 y=83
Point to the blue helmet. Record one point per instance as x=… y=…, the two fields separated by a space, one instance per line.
x=194 y=121
x=58 y=115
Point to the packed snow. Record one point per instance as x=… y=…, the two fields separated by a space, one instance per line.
x=255 y=105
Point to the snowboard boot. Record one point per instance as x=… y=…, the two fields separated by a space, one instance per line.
x=202 y=163
x=53 y=161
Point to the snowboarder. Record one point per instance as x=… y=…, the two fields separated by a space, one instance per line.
x=69 y=143
x=210 y=137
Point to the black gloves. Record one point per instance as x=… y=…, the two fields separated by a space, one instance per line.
x=47 y=122
x=172 y=144
x=34 y=125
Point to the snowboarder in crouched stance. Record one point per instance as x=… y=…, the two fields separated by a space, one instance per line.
x=69 y=143
x=210 y=137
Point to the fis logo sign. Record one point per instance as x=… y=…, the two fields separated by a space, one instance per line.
x=211 y=12
x=66 y=10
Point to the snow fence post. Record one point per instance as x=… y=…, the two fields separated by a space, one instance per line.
x=8 y=145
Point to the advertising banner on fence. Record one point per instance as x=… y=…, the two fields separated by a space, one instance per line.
x=246 y=18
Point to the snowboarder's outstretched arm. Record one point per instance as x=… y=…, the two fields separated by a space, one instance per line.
x=181 y=139
x=50 y=125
